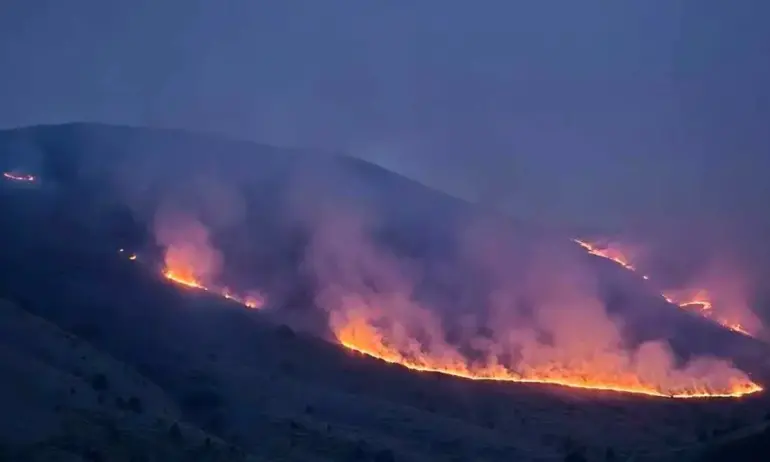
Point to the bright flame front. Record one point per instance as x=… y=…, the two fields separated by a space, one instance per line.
x=610 y=374
x=395 y=330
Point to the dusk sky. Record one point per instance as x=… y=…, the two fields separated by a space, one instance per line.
x=600 y=113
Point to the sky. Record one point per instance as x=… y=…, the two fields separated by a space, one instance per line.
x=615 y=114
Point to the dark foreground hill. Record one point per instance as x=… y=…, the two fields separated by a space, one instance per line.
x=239 y=379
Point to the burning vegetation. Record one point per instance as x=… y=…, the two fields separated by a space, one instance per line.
x=698 y=301
x=252 y=301
x=550 y=329
x=191 y=261
x=565 y=338
x=19 y=177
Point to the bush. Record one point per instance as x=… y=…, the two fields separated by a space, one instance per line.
x=135 y=405
x=202 y=400
x=174 y=432
x=286 y=332
x=384 y=455
x=99 y=382
x=357 y=453
x=92 y=455
x=575 y=456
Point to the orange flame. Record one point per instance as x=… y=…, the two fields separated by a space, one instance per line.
x=181 y=268
x=698 y=302
x=192 y=261
x=15 y=177
x=186 y=280
x=621 y=384
x=356 y=322
x=358 y=334
x=608 y=252
x=553 y=348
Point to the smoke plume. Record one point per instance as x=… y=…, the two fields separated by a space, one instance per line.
x=528 y=315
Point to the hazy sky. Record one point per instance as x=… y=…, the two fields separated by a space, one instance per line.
x=590 y=112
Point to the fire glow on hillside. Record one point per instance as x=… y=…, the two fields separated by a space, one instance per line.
x=697 y=301
x=192 y=262
x=254 y=302
x=366 y=294
x=19 y=177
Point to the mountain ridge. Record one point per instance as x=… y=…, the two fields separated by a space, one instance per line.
x=274 y=390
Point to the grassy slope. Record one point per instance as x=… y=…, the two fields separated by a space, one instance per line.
x=56 y=406
x=335 y=406
x=278 y=395
x=746 y=446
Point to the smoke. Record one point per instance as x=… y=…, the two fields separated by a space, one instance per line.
x=723 y=291
x=188 y=249
x=518 y=313
x=490 y=301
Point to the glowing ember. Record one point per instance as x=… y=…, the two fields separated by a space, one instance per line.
x=699 y=302
x=19 y=177
x=131 y=257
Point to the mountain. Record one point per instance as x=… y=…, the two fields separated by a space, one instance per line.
x=324 y=237
x=65 y=400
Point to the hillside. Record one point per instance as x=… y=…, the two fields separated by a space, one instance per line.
x=64 y=400
x=275 y=382
x=753 y=447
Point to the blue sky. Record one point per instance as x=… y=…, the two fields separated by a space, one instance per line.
x=597 y=113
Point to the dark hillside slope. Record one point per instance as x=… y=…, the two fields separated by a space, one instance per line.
x=103 y=187
x=273 y=390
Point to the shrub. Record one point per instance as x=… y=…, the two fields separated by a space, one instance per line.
x=384 y=455
x=92 y=455
x=286 y=332
x=575 y=456
x=202 y=400
x=99 y=382
x=357 y=453
x=135 y=405
x=174 y=432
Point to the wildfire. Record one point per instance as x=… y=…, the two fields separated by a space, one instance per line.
x=253 y=302
x=186 y=280
x=361 y=337
x=412 y=337
x=608 y=252
x=131 y=256
x=699 y=302
x=19 y=177
x=387 y=325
